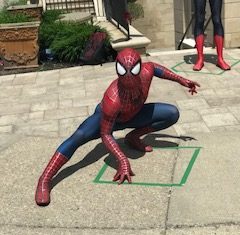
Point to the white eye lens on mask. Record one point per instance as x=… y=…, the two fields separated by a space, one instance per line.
x=136 y=69
x=120 y=69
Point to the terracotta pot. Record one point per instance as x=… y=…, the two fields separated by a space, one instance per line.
x=19 y=45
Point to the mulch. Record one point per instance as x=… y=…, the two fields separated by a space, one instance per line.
x=43 y=66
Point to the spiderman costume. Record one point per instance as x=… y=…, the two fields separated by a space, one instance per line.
x=216 y=8
x=123 y=106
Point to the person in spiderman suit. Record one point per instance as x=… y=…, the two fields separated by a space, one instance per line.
x=216 y=8
x=123 y=106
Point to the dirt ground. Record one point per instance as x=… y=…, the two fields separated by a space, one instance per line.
x=43 y=66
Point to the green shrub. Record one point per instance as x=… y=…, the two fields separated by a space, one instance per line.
x=7 y=17
x=49 y=28
x=50 y=16
x=65 y=39
x=135 y=9
x=70 y=41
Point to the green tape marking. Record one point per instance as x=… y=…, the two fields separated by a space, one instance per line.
x=190 y=165
x=139 y=183
x=100 y=174
x=174 y=68
x=182 y=182
x=177 y=147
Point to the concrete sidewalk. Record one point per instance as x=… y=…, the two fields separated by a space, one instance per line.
x=189 y=184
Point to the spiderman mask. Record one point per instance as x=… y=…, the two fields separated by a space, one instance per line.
x=128 y=67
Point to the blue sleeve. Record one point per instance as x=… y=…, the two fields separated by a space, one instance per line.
x=158 y=72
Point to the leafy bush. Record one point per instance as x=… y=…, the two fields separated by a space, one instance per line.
x=65 y=39
x=70 y=41
x=50 y=16
x=7 y=17
x=48 y=28
x=135 y=9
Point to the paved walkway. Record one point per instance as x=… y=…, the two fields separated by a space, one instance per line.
x=189 y=184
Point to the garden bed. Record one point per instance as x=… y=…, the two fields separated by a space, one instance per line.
x=43 y=66
x=60 y=43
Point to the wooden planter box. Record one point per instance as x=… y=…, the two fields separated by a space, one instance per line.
x=33 y=10
x=19 y=45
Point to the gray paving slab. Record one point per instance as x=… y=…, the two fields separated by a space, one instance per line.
x=7 y=139
x=14 y=91
x=65 y=113
x=224 y=119
x=209 y=230
x=25 y=78
x=211 y=194
x=77 y=202
x=192 y=127
x=6 y=109
x=39 y=110
x=69 y=231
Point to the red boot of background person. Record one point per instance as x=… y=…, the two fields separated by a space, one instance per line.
x=199 y=45
x=219 y=45
x=42 y=196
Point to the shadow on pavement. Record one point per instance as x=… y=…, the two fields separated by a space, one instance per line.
x=100 y=150
x=192 y=59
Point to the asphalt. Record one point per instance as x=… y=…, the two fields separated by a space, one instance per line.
x=188 y=185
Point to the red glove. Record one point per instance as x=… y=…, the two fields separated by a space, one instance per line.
x=191 y=84
x=124 y=172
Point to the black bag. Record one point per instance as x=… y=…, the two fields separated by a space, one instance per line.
x=96 y=51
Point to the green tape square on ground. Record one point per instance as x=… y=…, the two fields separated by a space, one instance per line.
x=195 y=154
x=178 y=67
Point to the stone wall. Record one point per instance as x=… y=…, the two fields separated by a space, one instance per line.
x=182 y=17
x=2 y=3
x=158 y=23
x=181 y=20
x=165 y=22
x=231 y=19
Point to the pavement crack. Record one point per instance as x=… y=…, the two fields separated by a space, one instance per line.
x=23 y=226
x=215 y=225
x=170 y=190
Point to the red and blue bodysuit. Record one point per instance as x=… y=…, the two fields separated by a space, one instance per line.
x=216 y=8
x=123 y=106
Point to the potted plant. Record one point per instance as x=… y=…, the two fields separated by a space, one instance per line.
x=18 y=40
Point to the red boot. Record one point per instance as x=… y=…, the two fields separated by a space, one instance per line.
x=42 y=196
x=199 y=45
x=133 y=139
x=219 y=45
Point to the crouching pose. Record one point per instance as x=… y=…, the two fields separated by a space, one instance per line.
x=123 y=106
x=216 y=7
